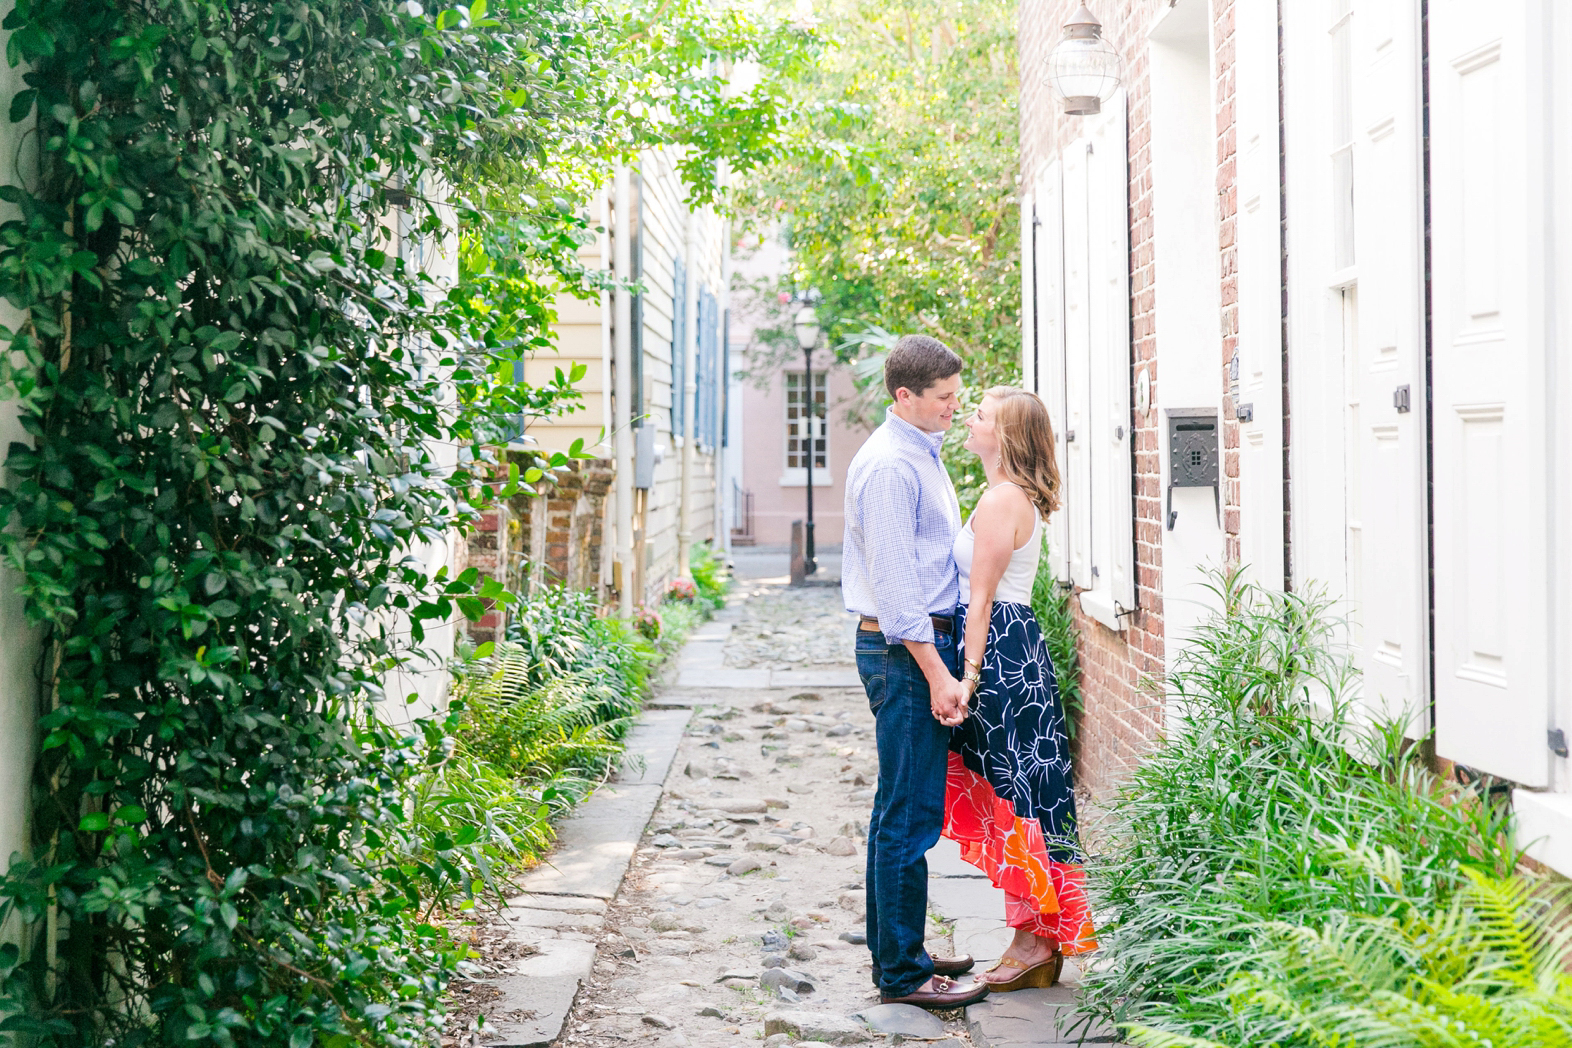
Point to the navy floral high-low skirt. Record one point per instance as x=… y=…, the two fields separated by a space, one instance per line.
x=1009 y=799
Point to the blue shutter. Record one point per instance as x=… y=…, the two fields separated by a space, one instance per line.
x=709 y=351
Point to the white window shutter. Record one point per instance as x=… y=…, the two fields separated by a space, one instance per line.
x=1029 y=366
x=1047 y=226
x=1111 y=440
x=1076 y=468
x=1490 y=358
x=1386 y=464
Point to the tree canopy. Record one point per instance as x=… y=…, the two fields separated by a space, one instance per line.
x=899 y=197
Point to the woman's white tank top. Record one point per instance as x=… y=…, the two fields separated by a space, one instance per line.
x=1016 y=584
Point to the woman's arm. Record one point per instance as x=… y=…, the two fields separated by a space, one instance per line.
x=996 y=525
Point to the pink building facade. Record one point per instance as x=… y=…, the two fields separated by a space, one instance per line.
x=774 y=469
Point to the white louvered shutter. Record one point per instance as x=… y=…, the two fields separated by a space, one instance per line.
x=1048 y=314
x=1110 y=439
x=1077 y=465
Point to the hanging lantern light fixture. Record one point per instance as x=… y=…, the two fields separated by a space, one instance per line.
x=1084 y=69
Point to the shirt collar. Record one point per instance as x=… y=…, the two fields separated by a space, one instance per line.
x=910 y=435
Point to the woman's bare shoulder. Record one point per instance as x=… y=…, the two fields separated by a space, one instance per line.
x=1002 y=506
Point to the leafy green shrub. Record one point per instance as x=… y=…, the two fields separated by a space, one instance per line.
x=710 y=577
x=472 y=823
x=1492 y=968
x=1051 y=604
x=1259 y=806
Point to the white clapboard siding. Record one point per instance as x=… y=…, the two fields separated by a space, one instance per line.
x=1489 y=216
x=1048 y=312
x=1389 y=444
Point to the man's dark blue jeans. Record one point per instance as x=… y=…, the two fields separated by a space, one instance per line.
x=908 y=807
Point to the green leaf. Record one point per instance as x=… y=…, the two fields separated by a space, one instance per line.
x=22 y=104
x=95 y=822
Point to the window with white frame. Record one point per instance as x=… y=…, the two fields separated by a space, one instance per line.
x=807 y=421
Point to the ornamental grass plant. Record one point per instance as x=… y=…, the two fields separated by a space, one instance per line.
x=1274 y=817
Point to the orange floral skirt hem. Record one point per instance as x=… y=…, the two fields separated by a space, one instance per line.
x=1013 y=853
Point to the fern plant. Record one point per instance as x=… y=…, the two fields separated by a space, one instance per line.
x=1491 y=968
x=557 y=735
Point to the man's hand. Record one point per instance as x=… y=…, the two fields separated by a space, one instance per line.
x=946 y=695
x=949 y=698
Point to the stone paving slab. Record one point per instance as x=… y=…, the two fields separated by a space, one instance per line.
x=536 y=1001
x=564 y=900
x=651 y=745
x=1035 y=1019
x=1047 y=1018
x=740 y=680
x=958 y=897
x=827 y=677
x=944 y=860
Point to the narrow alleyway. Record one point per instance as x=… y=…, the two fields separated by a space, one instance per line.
x=741 y=913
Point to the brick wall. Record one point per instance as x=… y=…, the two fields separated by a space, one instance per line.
x=551 y=537
x=1228 y=250
x=1121 y=672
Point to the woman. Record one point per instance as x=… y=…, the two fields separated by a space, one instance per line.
x=1009 y=802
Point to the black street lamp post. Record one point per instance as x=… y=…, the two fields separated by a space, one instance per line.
x=806 y=326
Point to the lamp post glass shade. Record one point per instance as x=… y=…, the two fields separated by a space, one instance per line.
x=806 y=325
x=1083 y=69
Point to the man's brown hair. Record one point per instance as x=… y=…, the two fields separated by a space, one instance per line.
x=917 y=362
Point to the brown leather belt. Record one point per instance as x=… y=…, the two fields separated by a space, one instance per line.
x=941 y=623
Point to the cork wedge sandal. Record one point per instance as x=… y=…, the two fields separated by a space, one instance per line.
x=1032 y=977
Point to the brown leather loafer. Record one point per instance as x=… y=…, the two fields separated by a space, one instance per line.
x=941 y=966
x=947 y=993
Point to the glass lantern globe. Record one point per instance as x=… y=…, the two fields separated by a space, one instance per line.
x=806 y=326
x=1084 y=69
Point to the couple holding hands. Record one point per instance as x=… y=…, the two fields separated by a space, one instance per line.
x=970 y=729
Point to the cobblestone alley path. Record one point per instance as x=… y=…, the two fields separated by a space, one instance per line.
x=740 y=916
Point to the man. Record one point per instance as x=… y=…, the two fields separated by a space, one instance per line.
x=898 y=574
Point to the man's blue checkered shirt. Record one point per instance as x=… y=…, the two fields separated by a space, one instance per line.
x=902 y=516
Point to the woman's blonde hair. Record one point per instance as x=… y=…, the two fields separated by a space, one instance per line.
x=1025 y=435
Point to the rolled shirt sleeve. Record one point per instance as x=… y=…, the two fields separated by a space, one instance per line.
x=887 y=512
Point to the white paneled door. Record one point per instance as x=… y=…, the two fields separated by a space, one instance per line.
x=1489 y=302
x=1113 y=512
